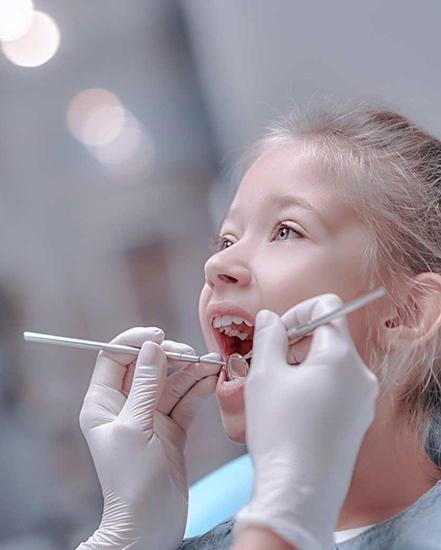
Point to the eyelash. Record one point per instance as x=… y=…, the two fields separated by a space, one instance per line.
x=217 y=241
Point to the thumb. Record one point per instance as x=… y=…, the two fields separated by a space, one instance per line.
x=270 y=343
x=147 y=386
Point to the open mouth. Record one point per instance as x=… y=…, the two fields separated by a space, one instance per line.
x=232 y=336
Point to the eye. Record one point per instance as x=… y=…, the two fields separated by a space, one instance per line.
x=218 y=243
x=283 y=229
x=222 y=242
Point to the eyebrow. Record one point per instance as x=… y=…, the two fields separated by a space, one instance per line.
x=280 y=201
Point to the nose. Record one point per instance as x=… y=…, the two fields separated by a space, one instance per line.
x=224 y=268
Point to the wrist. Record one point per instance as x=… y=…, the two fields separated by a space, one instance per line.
x=294 y=482
x=127 y=527
x=297 y=531
x=292 y=504
x=104 y=539
x=256 y=538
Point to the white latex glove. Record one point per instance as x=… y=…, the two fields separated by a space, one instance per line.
x=135 y=421
x=305 y=424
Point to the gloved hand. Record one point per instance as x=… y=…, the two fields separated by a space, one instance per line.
x=305 y=424
x=135 y=421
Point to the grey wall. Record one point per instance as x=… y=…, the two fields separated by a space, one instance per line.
x=256 y=57
x=203 y=77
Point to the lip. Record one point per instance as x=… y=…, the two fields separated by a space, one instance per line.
x=228 y=308
x=226 y=392
x=225 y=308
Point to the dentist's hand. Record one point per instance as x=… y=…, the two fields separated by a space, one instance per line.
x=305 y=425
x=135 y=419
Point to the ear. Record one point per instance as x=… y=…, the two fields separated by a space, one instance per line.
x=423 y=298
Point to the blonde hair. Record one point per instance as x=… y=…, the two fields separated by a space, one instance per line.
x=394 y=172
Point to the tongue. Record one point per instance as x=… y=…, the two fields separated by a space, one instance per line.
x=236 y=345
x=244 y=347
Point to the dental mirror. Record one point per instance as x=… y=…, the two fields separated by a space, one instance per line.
x=237 y=367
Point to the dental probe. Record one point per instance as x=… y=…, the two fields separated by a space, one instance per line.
x=294 y=334
x=297 y=333
x=88 y=344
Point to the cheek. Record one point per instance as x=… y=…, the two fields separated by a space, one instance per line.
x=358 y=327
x=206 y=331
x=288 y=279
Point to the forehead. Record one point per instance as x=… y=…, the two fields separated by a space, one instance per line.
x=288 y=177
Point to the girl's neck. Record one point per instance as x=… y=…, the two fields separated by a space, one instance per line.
x=390 y=474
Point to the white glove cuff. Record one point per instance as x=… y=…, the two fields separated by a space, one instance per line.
x=293 y=534
x=296 y=511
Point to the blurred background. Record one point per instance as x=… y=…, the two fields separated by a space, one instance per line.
x=119 y=123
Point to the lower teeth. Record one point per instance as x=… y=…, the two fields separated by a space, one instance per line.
x=234 y=382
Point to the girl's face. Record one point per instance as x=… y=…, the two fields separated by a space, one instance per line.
x=287 y=237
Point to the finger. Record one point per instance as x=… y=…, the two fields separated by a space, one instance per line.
x=177 y=347
x=297 y=352
x=109 y=384
x=166 y=345
x=310 y=309
x=147 y=386
x=327 y=339
x=110 y=367
x=270 y=343
x=179 y=383
x=189 y=406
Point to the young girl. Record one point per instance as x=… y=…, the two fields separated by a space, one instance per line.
x=337 y=200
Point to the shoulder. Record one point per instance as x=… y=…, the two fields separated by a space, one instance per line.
x=420 y=525
x=416 y=527
x=219 y=538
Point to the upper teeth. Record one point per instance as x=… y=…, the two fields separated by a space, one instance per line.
x=226 y=320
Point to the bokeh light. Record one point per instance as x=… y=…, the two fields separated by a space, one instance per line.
x=112 y=134
x=130 y=154
x=37 y=45
x=135 y=169
x=96 y=116
x=124 y=147
x=15 y=18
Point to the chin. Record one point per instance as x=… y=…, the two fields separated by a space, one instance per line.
x=238 y=436
x=234 y=427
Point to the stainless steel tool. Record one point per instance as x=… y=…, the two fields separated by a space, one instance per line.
x=235 y=362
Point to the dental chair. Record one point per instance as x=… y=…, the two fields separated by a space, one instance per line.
x=219 y=495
